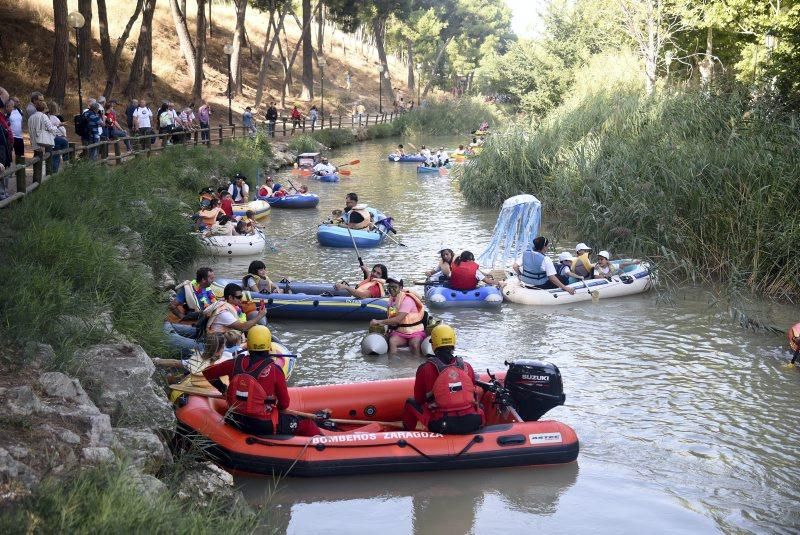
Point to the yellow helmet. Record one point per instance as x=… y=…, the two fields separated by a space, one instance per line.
x=259 y=338
x=443 y=336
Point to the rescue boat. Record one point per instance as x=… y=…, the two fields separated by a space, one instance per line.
x=512 y=436
x=632 y=279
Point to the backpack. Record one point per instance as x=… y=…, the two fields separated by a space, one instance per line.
x=453 y=390
x=82 y=128
x=245 y=395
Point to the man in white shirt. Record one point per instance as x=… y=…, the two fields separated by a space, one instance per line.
x=444 y=158
x=15 y=122
x=239 y=190
x=142 y=120
x=227 y=315
x=324 y=168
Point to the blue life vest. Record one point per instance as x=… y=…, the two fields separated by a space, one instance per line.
x=533 y=273
x=560 y=268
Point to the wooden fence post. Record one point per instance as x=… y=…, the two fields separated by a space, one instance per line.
x=21 y=180
x=37 y=167
x=116 y=153
x=233 y=131
x=304 y=125
x=284 y=127
x=195 y=136
x=72 y=154
x=48 y=165
x=330 y=121
x=340 y=122
x=220 y=134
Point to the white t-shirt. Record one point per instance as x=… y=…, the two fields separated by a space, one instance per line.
x=15 y=119
x=144 y=115
x=326 y=169
x=224 y=318
x=548 y=266
x=243 y=192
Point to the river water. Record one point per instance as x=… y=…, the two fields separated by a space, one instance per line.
x=687 y=423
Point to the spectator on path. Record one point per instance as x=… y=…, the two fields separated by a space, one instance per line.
x=129 y=113
x=60 y=141
x=15 y=121
x=166 y=124
x=347 y=79
x=188 y=118
x=94 y=128
x=272 y=119
x=30 y=109
x=114 y=129
x=41 y=130
x=6 y=141
x=247 y=121
x=142 y=121
x=177 y=127
x=204 y=116
x=101 y=100
x=296 y=116
x=360 y=110
x=314 y=115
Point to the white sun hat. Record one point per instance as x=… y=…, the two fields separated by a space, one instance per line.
x=581 y=246
x=605 y=254
x=564 y=256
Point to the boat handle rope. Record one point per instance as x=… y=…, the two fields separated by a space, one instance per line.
x=402 y=443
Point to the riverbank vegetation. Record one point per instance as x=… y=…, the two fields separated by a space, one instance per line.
x=89 y=247
x=698 y=171
x=111 y=499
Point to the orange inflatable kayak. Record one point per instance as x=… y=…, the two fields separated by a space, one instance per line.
x=506 y=440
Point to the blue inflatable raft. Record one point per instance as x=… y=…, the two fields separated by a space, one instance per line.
x=416 y=158
x=330 y=235
x=312 y=301
x=300 y=200
x=438 y=296
x=333 y=177
x=426 y=169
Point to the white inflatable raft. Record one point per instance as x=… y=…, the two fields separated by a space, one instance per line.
x=633 y=280
x=251 y=244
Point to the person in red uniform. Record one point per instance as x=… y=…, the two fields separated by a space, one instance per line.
x=257 y=392
x=371 y=287
x=445 y=396
x=465 y=273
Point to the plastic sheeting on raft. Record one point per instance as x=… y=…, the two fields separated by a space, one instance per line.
x=516 y=228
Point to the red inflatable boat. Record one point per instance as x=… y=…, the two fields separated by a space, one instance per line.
x=513 y=435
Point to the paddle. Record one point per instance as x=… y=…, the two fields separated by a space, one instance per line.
x=354 y=162
x=398 y=242
x=360 y=262
x=217 y=395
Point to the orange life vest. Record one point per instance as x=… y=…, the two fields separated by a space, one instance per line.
x=369 y=283
x=453 y=390
x=246 y=396
x=413 y=320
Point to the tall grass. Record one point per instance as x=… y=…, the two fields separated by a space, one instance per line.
x=442 y=117
x=95 y=239
x=107 y=500
x=704 y=181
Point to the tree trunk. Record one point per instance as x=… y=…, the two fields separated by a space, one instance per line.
x=105 y=40
x=197 y=87
x=320 y=29
x=436 y=62
x=707 y=64
x=112 y=64
x=85 y=34
x=184 y=38
x=238 y=42
x=57 y=87
x=142 y=65
x=308 y=66
x=411 y=81
x=267 y=52
x=379 y=29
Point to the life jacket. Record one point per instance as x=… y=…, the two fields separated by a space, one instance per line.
x=581 y=267
x=264 y=191
x=214 y=327
x=560 y=272
x=605 y=273
x=246 y=396
x=369 y=283
x=462 y=275
x=453 y=390
x=256 y=279
x=209 y=220
x=363 y=212
x=414 y=321
x=197 y=299
x=533 y=273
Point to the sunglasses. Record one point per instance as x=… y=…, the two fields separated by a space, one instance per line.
x=239 y=296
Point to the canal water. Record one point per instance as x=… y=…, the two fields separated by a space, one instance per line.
x=687 y=423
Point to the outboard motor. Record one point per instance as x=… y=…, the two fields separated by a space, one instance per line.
x=535 y=387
